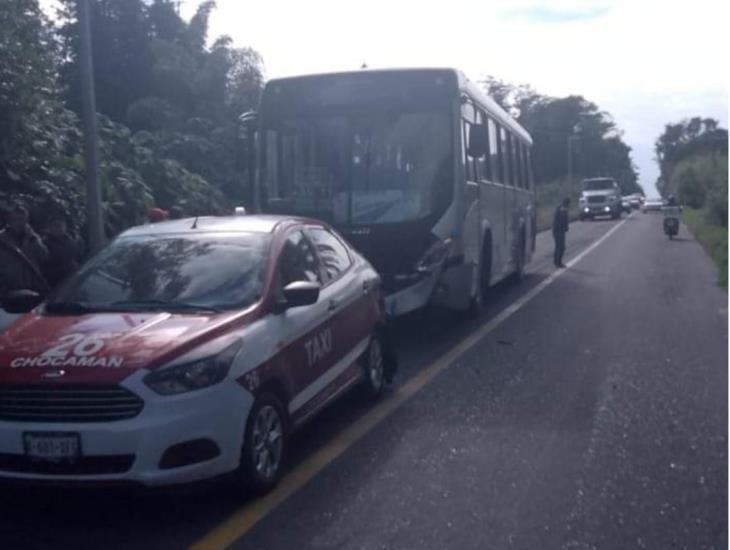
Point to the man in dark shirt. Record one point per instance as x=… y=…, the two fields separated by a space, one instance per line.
x=560 y=228
x=21 y=254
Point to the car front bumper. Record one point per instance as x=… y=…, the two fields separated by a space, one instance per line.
x=132 y=450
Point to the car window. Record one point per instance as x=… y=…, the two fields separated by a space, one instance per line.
x=172 y=269
x=298 y=261
x=334 y=255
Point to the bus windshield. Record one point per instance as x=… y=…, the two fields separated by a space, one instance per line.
x=367 y=166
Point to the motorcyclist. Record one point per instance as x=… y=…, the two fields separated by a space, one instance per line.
x=671 y=217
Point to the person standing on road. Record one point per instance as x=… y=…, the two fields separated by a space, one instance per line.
x=560 y=228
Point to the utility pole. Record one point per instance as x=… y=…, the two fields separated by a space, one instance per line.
x=570 y=165
x=94 y=221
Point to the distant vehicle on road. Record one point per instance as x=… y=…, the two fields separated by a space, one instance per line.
x=635 y=202
x=652 y=205
x=600 y=197
x=626 y=204
x=188 y=349
x=426 y=175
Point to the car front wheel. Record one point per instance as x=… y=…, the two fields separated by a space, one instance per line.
x=265 y=443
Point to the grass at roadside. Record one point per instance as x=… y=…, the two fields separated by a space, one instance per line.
x=712 y=237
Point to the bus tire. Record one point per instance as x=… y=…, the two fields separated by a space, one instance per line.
x=519 y=273
x=476 y=303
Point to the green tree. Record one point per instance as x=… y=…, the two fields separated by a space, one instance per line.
x=39 y=165
x=599 y=149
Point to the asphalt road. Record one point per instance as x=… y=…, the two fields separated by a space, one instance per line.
x=591 y=414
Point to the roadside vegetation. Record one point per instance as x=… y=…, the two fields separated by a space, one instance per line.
x=549 y=195
x=168 y=99
x=693 y=162
x=713 y=237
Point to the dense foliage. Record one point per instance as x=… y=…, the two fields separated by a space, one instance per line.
x=167 y=103
x=693 y=162
x=598 y=148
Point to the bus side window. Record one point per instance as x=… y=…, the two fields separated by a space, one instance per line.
x=484 y=166
x=523 y=166
x=528 y=166
x=468 y=119
x=506 y=156
x=518 y=162
x=494 y=163
x=501 y=155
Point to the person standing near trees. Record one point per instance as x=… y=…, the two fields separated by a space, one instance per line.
x=560 y=228
x=21 y=253
x=19 y=234
x=63 y=252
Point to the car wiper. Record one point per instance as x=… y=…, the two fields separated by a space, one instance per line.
x=69 y=307
x=161 y=304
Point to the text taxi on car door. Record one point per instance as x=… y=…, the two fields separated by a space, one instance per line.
x=189 y=349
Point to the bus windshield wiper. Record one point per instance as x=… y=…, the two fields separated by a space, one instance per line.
x=160 y=304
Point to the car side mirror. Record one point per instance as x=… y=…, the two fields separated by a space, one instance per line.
x=478 y=141
x=297 y=294
x=21 y=301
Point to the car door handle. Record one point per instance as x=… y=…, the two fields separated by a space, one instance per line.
x=332 y=305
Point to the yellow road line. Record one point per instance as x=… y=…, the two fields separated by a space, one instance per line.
x=236 y=525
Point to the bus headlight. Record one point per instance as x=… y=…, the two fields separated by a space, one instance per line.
x=435 y=255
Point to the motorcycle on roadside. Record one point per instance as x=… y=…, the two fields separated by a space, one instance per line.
x=671 y=220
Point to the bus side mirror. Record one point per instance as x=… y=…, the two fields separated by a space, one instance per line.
x=478 y=141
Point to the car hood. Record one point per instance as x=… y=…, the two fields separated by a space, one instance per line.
x=101 y=348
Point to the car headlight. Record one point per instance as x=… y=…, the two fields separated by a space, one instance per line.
x=193 y=376
x=587 y=209
x=607 y=209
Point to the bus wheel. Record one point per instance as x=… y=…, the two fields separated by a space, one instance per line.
x=476 y=304
x=519 y=272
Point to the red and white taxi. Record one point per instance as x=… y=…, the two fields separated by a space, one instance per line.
x=188 y=349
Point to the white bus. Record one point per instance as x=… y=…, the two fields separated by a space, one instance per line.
x=426 y=175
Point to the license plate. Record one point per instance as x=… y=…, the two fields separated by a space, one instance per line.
x=52 y=446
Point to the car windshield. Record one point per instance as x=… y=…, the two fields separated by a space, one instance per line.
x=207 y=271
x=367 y=168
x=598 y=185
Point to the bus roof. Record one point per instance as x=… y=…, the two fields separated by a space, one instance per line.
x=462 y=85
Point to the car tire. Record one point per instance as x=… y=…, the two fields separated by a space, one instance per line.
x=374 y=365
x=264 y=445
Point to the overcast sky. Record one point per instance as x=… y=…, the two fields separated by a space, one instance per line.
x=646 y=62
